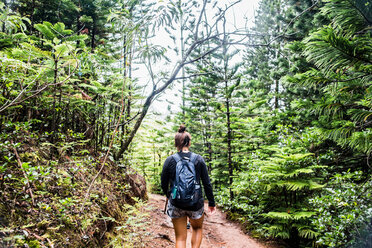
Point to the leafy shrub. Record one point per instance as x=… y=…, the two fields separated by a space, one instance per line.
x=343 y=210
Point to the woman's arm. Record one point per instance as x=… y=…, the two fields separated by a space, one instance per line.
x=165 y=176
x=206 y=182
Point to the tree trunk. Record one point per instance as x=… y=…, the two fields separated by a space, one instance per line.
x=182 y=54
x=53 y=124
x=228 y=113
x=143 y=112
x=277 y=56
x=93 y=34
x=229 y=138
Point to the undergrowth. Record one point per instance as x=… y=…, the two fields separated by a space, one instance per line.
x=44 y=200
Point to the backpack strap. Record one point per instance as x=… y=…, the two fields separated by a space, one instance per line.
x=193 y=157
x=176 y=157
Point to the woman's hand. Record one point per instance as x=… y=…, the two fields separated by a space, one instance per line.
x=212 y=210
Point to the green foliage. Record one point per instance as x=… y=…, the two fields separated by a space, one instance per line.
x=279 y=186
x=289 y=156
x=153 y=145
x=286 y=132
x=51 y=206
x=11 y=22
x=51 y=32
x=341 y=52
x=343 y=211
x=59 y=101
x=130 y=233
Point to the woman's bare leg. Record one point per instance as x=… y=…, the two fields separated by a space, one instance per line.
x=197 y=232
x=180 y=230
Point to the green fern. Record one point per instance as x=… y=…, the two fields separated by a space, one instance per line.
x=360 y=115
x=45 y=30
x=289 y=216
x=278 y=215
x=302 y=215
x=344 y=14
x=278 y=231
x=305 y=232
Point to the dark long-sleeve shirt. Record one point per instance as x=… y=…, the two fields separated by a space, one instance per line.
x=168 y=175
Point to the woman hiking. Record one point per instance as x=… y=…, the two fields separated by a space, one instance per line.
x=180 y=181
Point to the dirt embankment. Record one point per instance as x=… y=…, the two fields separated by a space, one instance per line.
x=218 y=232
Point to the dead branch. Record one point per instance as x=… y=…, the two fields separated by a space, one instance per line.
x=19 y=95
x=222 y=14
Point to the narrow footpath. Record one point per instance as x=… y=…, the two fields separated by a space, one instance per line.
x=218 y=232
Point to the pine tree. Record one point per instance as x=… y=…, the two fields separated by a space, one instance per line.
x=341 y=53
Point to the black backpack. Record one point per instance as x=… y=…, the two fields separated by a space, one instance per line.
x=186 y=191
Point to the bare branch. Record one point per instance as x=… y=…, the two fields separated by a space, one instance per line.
x=204 y=54
x=19 y=95
x=222 y=14
x=199 y=20
x=130 y=120
x=193 y=75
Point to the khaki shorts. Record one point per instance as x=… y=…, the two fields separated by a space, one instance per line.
x=175 y=212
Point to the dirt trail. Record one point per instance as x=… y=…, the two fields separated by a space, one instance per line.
x=218 y=232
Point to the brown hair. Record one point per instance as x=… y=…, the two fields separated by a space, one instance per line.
x=182 y=138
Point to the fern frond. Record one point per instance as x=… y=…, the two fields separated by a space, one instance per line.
x=297 y=172
x=45 y=30
x=278 y=215
x=360 y=115
x=345 y=14
x=362 y=141
x=330 y=108
x=35 y=51
x=314 y=185
x=347 y=136
x=343 y=132
x=302 y=215
x=296 y=185
x=308 y=233
x=295 y=157
x=332 y=52
x=278 y=231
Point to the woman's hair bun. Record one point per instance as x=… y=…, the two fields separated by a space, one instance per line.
x=182 y=129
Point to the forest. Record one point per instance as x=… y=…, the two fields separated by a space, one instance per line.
x=281 y=111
